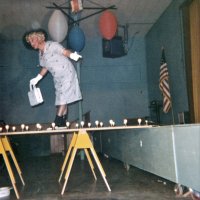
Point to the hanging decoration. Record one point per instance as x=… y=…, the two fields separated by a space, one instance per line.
x=76 y=6
x=76 y=39
x=57 y=26
x=108 y=25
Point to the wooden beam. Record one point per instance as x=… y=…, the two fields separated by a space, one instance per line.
x=85 y=8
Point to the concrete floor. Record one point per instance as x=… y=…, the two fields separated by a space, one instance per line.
x=41 y=177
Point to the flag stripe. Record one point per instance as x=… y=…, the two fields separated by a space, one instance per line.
x=164 y=84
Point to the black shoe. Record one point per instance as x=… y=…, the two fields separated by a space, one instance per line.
x=59 y=121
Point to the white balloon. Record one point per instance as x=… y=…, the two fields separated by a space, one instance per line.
x=58 y=26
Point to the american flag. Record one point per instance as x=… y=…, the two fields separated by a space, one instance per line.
x=164 y=84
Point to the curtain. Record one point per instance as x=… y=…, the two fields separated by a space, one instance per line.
x=194 y=21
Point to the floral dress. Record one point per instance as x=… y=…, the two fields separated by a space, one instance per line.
x=66 y=83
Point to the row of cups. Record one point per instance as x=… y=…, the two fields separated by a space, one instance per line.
x=82 y=123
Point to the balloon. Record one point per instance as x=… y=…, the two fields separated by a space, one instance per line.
x=108 y=25
x=58 y=26
x=76 y=39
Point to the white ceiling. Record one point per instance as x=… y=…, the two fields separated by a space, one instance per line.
x=17 y=16
x=140 y=15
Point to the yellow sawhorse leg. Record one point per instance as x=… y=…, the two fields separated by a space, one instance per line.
x=8 y=147
x=10 y=172
x=73 y=141
x=82 y=141
x=90 y=163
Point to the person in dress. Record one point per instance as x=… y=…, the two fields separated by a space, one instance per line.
x=54 y=58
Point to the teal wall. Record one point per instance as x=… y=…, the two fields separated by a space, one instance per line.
x=114 y=88
x=167 y=33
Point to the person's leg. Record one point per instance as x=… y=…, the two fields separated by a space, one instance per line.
x=62 y=110
x=64 y=114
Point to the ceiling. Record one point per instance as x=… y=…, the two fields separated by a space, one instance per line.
x=17 y=16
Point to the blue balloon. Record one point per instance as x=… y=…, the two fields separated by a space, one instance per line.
x=76 y=39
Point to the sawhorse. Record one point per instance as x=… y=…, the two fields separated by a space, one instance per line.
x=81 y=140
x=5 y=147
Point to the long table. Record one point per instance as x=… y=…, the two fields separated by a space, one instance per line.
x=80 y=140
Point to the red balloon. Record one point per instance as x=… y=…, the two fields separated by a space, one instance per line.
x=108 y=25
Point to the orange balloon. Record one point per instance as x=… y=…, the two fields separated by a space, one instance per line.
x=108 y=25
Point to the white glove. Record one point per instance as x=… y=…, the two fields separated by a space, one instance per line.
x=75 y=56
x=35 y=80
